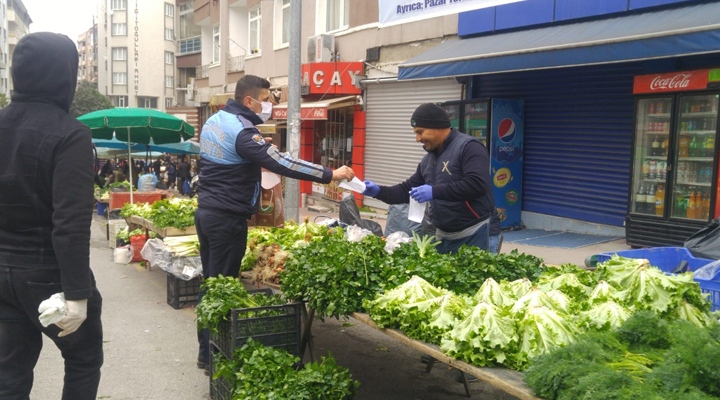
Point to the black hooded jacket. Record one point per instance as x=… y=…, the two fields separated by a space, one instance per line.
x=46 y=166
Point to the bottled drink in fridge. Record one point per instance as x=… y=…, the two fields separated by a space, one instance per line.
x=684 y=144
x=650 y=200
x=705 y=213
x=646 y=169
x=680 y=203
x=691 y=206
x=693 y=147
x=655 y=147
x=640 y=200
x=660 y=200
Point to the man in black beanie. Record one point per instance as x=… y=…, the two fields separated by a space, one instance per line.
x=453 y=177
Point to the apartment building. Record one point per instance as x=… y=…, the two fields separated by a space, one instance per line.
x=87 y=60
x=136 y=52
x=18 y=25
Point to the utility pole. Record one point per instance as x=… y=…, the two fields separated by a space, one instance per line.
x=292 y=186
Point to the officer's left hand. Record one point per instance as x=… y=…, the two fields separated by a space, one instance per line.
x=422 y=193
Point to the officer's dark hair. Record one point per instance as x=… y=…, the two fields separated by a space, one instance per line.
x=250 y=85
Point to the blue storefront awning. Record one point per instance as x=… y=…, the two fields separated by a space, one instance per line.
x=661 y=34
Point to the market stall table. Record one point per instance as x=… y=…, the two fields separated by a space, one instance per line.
x=119 y=199
x=507 y=380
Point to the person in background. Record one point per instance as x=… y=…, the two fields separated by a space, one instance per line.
x=183 y=174
x=156 y=167
x=453 y=178
x=171 y=174
x=46 y=175
x=232 y=154
x=147 y=181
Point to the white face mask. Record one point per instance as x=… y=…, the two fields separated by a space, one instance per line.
x=266 y=112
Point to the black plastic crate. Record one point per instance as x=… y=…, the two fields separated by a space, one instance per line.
x=181 y=292
x=220 y=389
x=274 y=326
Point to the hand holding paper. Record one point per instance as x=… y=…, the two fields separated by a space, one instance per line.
x=356 y=185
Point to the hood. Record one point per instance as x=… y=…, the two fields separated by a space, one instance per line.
x=44 y=69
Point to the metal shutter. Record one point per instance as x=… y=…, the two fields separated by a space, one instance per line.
x=578 y=138
x=391 y=153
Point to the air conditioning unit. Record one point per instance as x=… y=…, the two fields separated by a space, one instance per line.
x=321 y=48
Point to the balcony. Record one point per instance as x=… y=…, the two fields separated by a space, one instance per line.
x=201 y=71
x=236 y=64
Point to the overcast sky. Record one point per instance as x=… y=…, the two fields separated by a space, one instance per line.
x=69 y=17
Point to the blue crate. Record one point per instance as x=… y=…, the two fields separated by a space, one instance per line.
x=665 y=258
x=101 y=208
x=713 y=289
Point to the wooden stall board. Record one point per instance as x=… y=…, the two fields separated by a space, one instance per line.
x=507 y=380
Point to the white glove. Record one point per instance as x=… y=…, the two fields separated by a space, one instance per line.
x=76 y=315
x=52 y=310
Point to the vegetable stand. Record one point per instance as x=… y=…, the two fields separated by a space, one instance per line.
x=507 y=380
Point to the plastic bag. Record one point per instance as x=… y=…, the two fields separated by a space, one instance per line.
x=705 y=243
x=157 y=254
x=355 y=233
x=709 y=272
x=186 y=268
x=137 y=243
x=397 y=221
x=350 y=214
x=123 y=254
x=394 y=240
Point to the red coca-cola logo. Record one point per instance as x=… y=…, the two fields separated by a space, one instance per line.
x=679 y=81
x=319 y=113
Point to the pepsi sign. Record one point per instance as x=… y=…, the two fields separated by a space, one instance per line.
x=507 y=151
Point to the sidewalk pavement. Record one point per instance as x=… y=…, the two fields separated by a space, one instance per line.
x=151 y=348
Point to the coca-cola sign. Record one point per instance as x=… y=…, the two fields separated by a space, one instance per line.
x=679 y=81
x=306 y=113
x=671 y=82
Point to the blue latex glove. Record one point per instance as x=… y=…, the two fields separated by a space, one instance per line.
x=422 y=193
x=371 y=189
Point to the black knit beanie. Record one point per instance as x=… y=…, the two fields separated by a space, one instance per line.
x=431 y=116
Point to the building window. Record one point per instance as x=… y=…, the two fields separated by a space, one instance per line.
x=119 y=5
x=169 y=58
x=337 y=15
x=119 y=78
x=119 y=101
x=169 y=34
x=119 y=53
x=216 y=45
x=169 y=10
x=168 y=102
x=169 y=81
x=119 y=29
x=190 y=45
x=254 y=20
x=147 y=102
x=285 y=12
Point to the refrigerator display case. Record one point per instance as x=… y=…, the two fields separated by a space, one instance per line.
x=674 y=180
x=499 y=124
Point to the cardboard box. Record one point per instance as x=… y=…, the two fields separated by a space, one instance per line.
x=114 y=226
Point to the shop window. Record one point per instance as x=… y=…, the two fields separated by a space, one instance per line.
x=333 y=145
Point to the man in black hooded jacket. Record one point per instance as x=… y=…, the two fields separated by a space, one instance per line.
x=46 y=176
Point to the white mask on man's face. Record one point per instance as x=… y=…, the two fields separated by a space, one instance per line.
x=266 y=111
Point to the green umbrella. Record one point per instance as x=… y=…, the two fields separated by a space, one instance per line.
x=137 y=125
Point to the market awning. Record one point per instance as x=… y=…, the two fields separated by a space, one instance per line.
x=661 y=34
x=315 y=110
